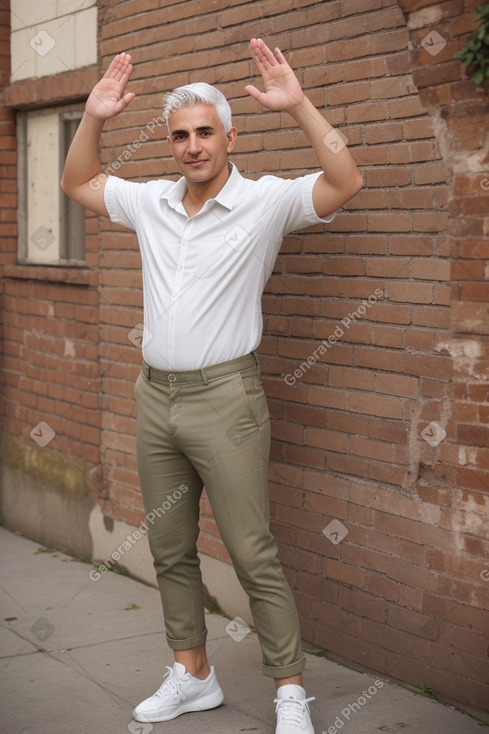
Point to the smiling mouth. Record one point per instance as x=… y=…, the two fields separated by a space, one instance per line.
x=196 y=164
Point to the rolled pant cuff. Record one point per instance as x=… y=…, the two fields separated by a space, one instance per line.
x=284 y=671
x=189 y=643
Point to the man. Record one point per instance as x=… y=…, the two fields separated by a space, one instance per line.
x=208 y=245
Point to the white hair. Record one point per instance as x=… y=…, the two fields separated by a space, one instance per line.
x=198 y=93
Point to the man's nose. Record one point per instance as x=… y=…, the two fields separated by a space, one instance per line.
x=194 y=144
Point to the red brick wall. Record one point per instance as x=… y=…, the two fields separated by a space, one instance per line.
x=358 y=436
x=50 y=341
x=8 y=157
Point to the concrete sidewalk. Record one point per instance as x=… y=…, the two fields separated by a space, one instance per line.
x=77 y=655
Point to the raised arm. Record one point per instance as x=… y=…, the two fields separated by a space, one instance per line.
x=341 y=179
x=82 y=179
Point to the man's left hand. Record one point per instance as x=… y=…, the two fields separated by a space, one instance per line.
x=283 y=91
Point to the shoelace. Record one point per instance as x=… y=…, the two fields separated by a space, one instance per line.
x=291 y=710
x=170 y=685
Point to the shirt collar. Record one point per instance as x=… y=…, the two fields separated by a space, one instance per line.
x=226 y=196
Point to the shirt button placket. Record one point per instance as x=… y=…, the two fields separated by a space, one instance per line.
x=177 y=285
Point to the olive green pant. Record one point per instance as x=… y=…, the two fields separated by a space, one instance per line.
x=211 y=428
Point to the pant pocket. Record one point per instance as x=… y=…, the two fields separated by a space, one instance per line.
x=254 y=396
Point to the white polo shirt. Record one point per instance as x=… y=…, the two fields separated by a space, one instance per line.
x=203 y=276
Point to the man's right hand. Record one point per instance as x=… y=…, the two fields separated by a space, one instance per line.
x=82 y=180
x=107 y=98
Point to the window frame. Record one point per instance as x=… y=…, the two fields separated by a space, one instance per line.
x=72 y=216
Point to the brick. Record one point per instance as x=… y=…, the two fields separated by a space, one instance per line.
x=340 y=50
x=368 y=448
x=388 y=336
x=343 y=572
x=371 y=156
x=431 y=316
x=376 y=358
x=422 y=340
x=439 y=367
x=365 y=69
x=344 y=266
x=366 y=244
x=341 y=377
x=388 y=268
x=406 y=107
x=411 y=292
x=346 y=422
x=367 y=112
x=385 y=43
x=429 y=174
x=389 y=222
x=431 y=269
x=473 y=435
x=412 y=199
x=375 y=405
x=392 y=87
x=348 y=93
x=383 y=133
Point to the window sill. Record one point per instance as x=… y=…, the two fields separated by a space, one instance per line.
x=59 y=88
x=52 y=273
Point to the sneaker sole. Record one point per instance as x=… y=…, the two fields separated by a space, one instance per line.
x=202 y=704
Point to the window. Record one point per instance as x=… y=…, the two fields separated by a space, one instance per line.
x=51 y=226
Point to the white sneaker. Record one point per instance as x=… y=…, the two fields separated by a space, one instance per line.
x=293 y=715
x=180 y=693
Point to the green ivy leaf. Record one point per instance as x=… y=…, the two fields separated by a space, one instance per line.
x=478 y=77
x=475 y=53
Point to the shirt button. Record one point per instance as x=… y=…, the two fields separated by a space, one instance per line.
x=172 y=378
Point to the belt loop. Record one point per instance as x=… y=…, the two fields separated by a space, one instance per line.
x=204 y=376
x=256 y=359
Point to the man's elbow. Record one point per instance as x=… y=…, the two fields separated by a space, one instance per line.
x=68 y=189
x=357 y=183
x=354 y=186
x=64 y=186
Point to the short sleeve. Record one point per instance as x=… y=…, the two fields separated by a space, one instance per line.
x=289 y=202
x=123 y=200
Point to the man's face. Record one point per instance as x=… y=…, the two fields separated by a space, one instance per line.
x=198 y=142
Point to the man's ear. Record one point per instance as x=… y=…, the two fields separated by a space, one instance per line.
x=231 y=138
